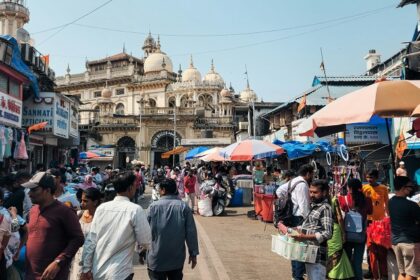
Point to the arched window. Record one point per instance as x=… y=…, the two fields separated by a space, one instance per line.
x=171 y=102
x=152 y=103
x=184 y=102
x=119 y=110
x=206 y=101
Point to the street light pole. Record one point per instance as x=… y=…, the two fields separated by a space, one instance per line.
x=173 y=156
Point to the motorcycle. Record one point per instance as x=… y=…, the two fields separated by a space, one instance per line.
x=220 y=195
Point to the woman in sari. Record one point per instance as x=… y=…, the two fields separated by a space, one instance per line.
x=338 y=264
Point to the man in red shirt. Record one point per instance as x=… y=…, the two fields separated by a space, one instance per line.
x=54 y=233
x=189 y=188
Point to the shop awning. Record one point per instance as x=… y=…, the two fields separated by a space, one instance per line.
x=176 y=151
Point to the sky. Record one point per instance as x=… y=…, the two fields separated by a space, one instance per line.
x=279 y=41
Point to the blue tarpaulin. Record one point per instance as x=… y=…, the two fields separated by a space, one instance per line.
x=20 y=66
x=296 y=149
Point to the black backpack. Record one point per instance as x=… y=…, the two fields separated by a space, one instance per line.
x=284 y=206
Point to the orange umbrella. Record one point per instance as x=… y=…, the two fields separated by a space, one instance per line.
x=386 y=99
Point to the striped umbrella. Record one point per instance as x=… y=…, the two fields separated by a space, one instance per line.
x=248 y=150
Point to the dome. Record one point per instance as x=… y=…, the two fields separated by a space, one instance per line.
x=191 y=74
x=106 y=93
x=225 y=93
x=213 y=76
x=248 y=95
x=157 y=62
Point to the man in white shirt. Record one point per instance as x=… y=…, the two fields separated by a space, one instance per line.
x=299 y=188
x=116 y=228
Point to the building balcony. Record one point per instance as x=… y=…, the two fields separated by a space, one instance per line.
x=8 y=7
x=167 y=111
x=213 y=122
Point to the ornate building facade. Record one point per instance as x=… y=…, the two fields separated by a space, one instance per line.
x=142 y=107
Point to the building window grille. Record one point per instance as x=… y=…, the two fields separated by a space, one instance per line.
x=97 y=94
x=119 y=91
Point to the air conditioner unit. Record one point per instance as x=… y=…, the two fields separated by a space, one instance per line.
x=25 y=53
x=243 y=125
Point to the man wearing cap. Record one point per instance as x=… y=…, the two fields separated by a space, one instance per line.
x=401 y=170
x=54 y=233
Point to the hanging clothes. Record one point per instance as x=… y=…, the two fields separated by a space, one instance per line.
x=9 y=142
x=22 y=152
x=2 y=142
x=15 y=146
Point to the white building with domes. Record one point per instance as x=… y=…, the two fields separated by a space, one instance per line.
x=140 y=106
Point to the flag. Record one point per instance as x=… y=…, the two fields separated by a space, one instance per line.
x=302 y=104
x=322 y=66
x=401 y=146
x=46 y=60
x=37 y=126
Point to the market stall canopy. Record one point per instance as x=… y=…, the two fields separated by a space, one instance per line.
x=296 y=149
x=248 y=150
x=105 y=158
x=192 y=153
x=89 y=155
x=176 y=151
x=213 y=156
x=386 y=99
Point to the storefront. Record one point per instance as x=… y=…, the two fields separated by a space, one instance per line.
x=59 y=137
x=13 y=153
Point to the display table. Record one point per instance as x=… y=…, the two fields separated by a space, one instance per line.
x=263 y=206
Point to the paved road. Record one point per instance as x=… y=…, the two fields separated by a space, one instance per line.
x=232 y=247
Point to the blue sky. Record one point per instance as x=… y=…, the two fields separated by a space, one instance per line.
x=281 y=64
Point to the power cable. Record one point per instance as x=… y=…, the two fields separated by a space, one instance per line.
x=272 y=40
x=62 y=27
x=224 y=34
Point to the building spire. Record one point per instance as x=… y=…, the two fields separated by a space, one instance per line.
x=158 y=44
x=68 y=68
x=124 y=47
x=247 y=77
x=212 y=65
x=191 y=61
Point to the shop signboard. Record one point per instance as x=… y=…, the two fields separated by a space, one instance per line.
x=61 y=116
x=109 y=152
x=38 y=110
x=10 y=110
x=74 y=122
x=373 y=132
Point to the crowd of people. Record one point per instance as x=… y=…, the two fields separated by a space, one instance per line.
x=331 y=223
x=64 y=223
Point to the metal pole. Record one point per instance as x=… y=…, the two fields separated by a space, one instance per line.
x=253 y=118
x=173 y=156
x=140 y=102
